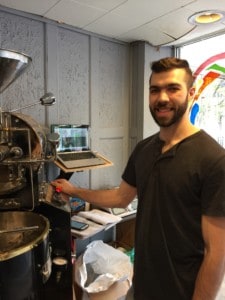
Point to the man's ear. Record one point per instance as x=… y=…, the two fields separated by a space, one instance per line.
x=192 y=92
x=191 y=97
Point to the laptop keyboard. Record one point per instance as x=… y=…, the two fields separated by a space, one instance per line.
x=76 y=155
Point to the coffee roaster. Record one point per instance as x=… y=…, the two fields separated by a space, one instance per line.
x=35 y=240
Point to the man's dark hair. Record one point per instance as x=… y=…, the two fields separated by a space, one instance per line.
x=170 y=63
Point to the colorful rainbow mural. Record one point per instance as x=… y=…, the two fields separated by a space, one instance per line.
x=206 y=75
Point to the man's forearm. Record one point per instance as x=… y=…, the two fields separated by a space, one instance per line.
x=209 y=278
x=116 y=197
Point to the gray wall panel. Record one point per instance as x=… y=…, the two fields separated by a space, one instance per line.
x=73 y=77
x=110 y=109
x=27 y=36
x=114 y=146
x=113 y=65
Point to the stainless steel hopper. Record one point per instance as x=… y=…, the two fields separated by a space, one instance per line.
x=12 y=65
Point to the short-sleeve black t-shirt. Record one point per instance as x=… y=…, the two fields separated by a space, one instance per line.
x=175 y=189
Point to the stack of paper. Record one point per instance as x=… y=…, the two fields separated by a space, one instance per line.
x=100 y=217
x=96 y=219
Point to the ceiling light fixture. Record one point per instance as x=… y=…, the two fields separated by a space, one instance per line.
x=207 y=17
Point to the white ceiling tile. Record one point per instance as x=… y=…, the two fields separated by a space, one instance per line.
x=174 y=24
x=200 y=32
x=112 y=25
x=146 y=33
x=128 y=20
x=74 y=13
x=38 y=7
x=145 y=10
x=103 y=4
x=201 y=5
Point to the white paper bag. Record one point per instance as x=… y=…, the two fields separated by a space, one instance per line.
x=100 y=266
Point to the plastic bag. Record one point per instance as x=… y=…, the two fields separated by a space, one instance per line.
x=100 y=266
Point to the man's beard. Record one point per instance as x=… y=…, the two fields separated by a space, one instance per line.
x=179 y=111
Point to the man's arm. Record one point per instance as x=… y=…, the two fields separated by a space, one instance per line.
x=118 y=197
x=212 y=270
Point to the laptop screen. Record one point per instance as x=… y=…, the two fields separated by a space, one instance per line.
x=72 y=137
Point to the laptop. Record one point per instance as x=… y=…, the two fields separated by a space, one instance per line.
x=73 y=148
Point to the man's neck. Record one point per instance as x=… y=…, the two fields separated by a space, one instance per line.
x=172 y=135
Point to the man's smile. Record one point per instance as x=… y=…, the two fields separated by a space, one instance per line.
x=162 y=109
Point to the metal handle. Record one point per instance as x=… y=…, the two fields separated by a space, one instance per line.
x=18 y=229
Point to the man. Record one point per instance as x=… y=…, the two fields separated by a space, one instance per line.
x=178 y=175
